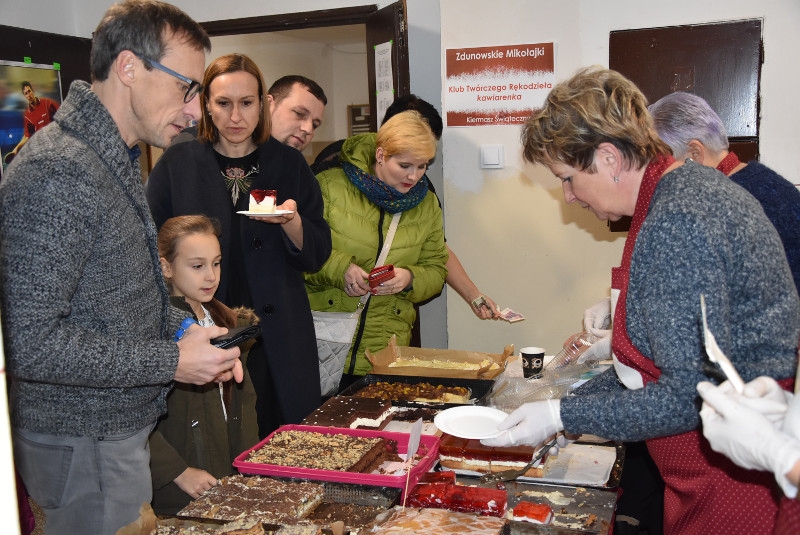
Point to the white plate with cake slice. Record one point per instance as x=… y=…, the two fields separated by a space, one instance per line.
x=265 y=214
x=471 y=422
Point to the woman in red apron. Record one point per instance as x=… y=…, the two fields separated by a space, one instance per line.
x=693 y=233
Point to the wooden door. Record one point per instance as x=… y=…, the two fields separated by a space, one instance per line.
x=387 y=24
x=719 y=62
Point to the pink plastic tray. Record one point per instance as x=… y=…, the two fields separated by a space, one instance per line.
x=428 y=446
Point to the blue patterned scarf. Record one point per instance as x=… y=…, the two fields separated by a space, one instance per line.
x=384 y=196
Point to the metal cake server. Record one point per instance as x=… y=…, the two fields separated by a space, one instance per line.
x=510 y=475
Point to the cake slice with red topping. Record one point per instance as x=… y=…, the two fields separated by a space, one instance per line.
x=262 y=201
x=536 y=513
x=460 y=498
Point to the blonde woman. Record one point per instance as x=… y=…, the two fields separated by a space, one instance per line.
x=380 y=175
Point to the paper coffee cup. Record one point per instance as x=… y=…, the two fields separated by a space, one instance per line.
x=532 y=361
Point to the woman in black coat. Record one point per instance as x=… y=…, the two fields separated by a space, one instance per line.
x=263 y=257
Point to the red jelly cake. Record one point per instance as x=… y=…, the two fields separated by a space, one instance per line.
x=536 y=513
x=448 y=495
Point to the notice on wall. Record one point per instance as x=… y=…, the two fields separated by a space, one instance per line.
x=497 y=85
x=384 y=79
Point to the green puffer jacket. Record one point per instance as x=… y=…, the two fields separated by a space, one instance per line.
x=357 y=227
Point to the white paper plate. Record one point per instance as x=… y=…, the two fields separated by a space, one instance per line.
x=470 y=422
x=262 y=214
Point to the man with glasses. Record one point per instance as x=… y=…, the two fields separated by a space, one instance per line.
x=90 y=335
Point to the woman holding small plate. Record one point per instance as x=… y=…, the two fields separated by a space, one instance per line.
x=265 y=255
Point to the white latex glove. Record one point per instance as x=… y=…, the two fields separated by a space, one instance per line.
x=747 y=437
x=531 y=424
x=600 y=350
x=764 y=395
x=597 y=318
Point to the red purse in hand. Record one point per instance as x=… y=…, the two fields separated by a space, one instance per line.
x=380 y=274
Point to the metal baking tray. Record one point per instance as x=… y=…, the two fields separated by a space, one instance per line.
x=572 y=507
x=611 y=483
x=386 y=497
x=479 y=388
x=344 y=493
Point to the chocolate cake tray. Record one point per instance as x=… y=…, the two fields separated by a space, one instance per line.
x=428 y=450
x=479 y=388
x=338 y=496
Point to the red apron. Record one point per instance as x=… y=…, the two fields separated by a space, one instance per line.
x=788 y=520
x=705 y=492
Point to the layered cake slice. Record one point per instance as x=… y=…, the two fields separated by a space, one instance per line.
x=353 y=413
x=322 y=451
x=439 y=522
x=263 y=201
x=267 y=500
x=242 y=526
x=470 y=455
x=536 y=513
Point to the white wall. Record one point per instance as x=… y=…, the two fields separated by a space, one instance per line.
x=511 y=228
x=424 y=38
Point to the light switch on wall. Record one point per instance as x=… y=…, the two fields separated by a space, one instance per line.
x=492 y=157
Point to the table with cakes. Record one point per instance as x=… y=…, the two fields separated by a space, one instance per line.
x=347 y=470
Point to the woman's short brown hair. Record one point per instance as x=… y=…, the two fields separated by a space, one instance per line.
x=407 y=131
x=595 y=106
x=206 y=130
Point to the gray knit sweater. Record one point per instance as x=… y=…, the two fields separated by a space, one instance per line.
x=703 y=234
x=86 y=315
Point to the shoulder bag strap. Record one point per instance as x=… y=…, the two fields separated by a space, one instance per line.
x=387 y=244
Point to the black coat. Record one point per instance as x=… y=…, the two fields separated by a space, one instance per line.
x=187 y=180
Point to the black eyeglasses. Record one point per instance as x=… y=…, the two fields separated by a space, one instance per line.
x=191 y=91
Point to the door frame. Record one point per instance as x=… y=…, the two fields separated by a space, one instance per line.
x=290 y=21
